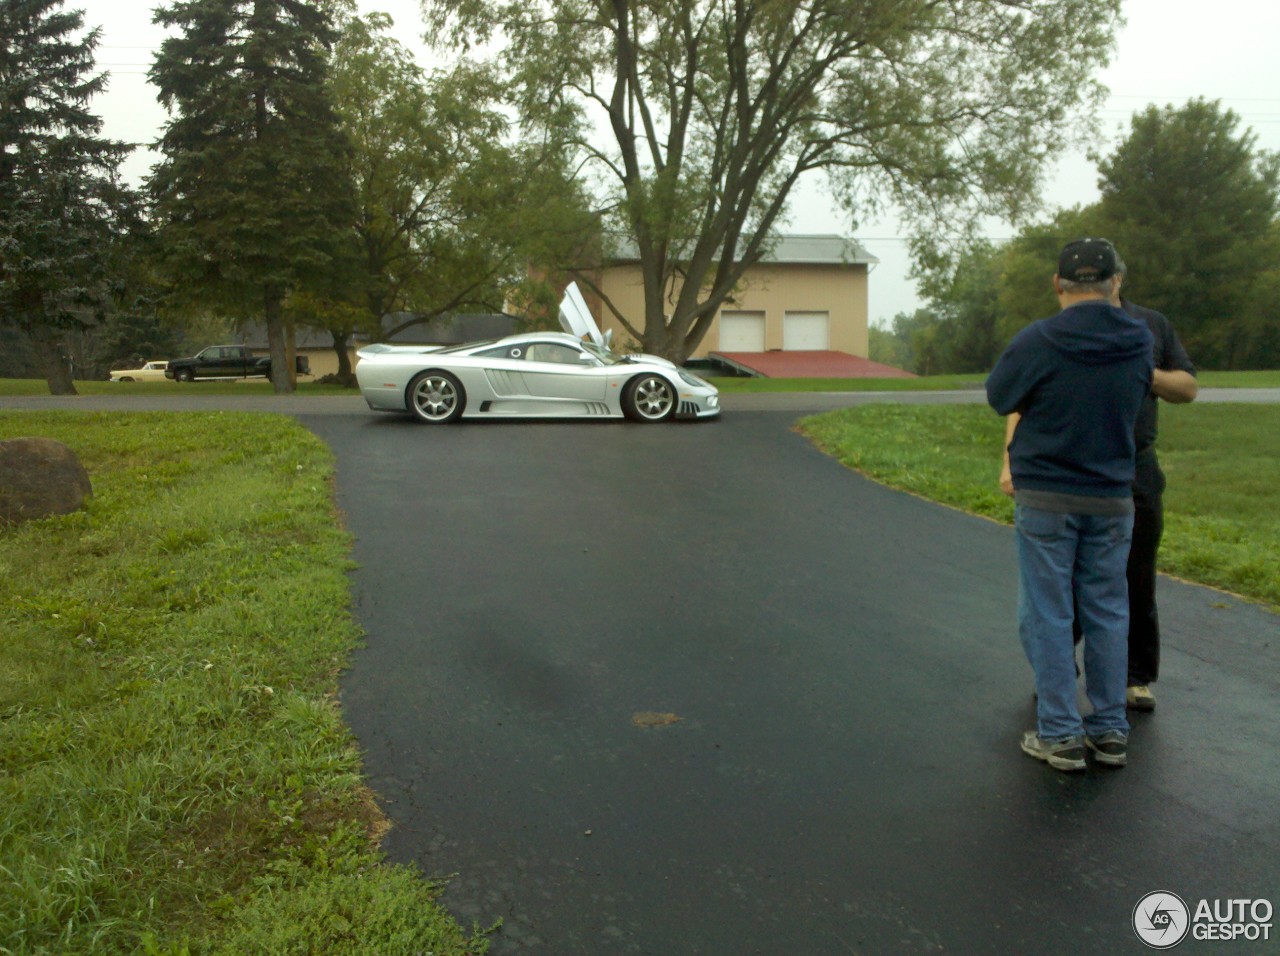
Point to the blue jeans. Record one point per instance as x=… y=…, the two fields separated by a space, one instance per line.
x=1061 y=556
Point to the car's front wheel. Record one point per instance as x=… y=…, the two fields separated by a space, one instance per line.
x=436 y=397
x=649 y=398
x=185 y=375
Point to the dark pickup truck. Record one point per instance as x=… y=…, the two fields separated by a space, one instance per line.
x=227 y=361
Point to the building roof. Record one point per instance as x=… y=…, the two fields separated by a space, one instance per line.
x=798 y=249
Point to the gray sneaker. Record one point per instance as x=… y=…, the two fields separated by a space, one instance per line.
x=1066 y=753
x=1111 y=748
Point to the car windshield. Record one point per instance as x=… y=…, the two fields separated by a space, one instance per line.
x=603 y=354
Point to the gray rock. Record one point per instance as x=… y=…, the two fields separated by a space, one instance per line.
x=40 y=477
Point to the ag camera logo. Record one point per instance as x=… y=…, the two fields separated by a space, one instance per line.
x=1161 y=919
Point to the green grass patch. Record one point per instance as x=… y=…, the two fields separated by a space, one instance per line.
x=1222 y=506
x=1261 y=379
x=175 y=773
x=936 y=383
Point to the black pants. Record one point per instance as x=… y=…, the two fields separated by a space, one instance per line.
x=1148 y=526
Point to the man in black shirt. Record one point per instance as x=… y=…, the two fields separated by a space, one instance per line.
x=1174 y=381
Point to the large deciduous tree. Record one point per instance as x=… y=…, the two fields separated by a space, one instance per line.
x=699 y=117
x=1193 y=204
x=251 y=196
x=61 y=204
x=451 y=215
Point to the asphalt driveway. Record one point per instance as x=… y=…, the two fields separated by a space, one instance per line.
x=699 y=689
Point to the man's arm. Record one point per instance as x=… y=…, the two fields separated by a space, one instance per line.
x=1174 y=386
x=1174 y=379
x=1006 y=475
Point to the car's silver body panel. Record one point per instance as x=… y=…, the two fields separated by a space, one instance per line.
x=532 y=375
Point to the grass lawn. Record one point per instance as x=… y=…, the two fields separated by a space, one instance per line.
x=931 y=383
x=1222 y=506
x=1264 y=379
x=175 y=772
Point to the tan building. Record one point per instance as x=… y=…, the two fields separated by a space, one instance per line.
x=808 y=294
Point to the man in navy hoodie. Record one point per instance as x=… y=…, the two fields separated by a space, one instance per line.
x=1072 y=386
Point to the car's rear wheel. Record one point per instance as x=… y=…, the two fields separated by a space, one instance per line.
x=649 y=398
x=436 y=397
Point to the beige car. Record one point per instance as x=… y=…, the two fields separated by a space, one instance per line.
x=150 y=372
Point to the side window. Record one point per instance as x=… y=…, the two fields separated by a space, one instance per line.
x=514 y=352
x=553 y=352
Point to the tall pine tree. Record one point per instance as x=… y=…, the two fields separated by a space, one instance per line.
x=60 y=198
x=251 y=196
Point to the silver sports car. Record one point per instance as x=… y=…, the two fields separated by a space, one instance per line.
x=570 y=374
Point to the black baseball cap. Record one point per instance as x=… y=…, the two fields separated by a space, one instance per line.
x=1088 y=260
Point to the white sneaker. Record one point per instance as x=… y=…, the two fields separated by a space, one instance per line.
x=1139 y=697
x=1066 y=754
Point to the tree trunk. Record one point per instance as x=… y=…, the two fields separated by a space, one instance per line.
x=52 y=352
x=346 y=375
x=282 y=377
x=291 y=352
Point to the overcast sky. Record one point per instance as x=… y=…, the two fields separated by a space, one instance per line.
x=1170 y=51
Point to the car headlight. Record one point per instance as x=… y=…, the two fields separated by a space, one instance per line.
x=691 y=379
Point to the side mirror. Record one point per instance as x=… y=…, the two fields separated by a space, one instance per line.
x=586 y=358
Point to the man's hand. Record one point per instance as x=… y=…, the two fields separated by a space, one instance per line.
x=1006 y=478
x=1006 y=475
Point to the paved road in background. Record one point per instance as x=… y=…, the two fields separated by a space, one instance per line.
x=698 y=689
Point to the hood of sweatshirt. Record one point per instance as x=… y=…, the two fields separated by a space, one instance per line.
x=1096 y=333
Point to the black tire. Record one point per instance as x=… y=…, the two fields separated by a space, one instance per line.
x=184 y=375
x=649 y=398
x=126 y=378
x=435 y=397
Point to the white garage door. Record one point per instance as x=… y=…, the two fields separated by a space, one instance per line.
x=805 y=331
x=741 y=331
